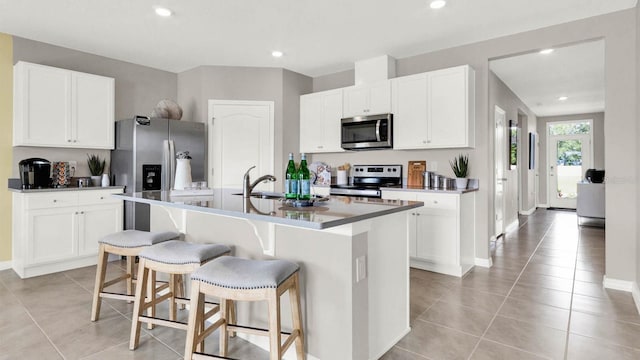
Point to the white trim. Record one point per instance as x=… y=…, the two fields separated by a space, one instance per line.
x=485 y=263
x=493 y=238
x=4 y=265
x=615 y=284
x=635 y=292
x=512 y=226
x=545 y=206
x=528 y=212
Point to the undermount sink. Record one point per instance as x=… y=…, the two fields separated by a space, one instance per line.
x=265 y=195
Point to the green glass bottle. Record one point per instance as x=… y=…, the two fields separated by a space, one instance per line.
x=305 y=179
x=291 y=180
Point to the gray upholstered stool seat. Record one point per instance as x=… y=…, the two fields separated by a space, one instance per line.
x=179 y=252
x=126 y=243
x=237 y=273
x=175 y=258
x=234 y=279
x=137 y=238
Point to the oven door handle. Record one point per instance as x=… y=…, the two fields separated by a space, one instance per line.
x=378 y=130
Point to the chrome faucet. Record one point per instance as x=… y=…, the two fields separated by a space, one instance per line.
x=248 y=186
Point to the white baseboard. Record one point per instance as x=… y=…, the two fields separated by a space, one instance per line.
x=543 y=205
x=4 y=265
x=513 y=226
x=635 y=291
x=528 y=212
x=615 y=284
x=485 y=263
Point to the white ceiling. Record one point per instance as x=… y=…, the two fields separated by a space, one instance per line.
x=576 y=72
x=317 y=37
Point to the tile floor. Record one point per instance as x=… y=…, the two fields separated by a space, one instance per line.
x=543 y=298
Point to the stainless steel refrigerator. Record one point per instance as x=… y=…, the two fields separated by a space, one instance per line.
x=145 y=156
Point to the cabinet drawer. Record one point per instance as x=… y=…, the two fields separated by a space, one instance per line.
x=399 y=195
x=51 y=200
x=96 y=197
x=439 y=201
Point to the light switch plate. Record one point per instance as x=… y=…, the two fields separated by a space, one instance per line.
x=73 y=166
x=361 y=268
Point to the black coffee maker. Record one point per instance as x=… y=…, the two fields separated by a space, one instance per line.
x=35 y=173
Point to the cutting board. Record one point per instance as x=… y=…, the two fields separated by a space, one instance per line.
x=416 y=173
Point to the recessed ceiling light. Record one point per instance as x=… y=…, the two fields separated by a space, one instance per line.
x=546 y=51
x=276 y=53
x=563 y=98
x=438 y=4
x=164 y=12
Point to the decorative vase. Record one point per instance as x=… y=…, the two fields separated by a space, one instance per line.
x=105 y=180
x=461 y=183
x=95 y=180
x=183 y=174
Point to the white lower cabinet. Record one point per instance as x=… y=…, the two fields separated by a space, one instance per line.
x=442 y=232
x=59 y=230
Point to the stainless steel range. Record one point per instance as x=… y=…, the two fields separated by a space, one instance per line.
x=368 y=179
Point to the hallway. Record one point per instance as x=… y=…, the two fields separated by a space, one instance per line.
x=543 y=298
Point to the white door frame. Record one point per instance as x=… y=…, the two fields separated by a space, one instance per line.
x=500 y=158
x=550 y=140
x=210 y=136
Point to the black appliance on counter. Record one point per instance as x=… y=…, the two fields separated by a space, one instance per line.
x=35 y=173
x=594 y=176
x=368 y=179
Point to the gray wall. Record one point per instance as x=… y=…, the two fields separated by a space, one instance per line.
x=516 y=110
x=637 y=283
x=197 y=86
x=618 y=30
x=598 y=145
x=137 y=91
x=334 y=81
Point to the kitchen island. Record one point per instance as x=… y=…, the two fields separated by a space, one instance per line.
x=353 y=255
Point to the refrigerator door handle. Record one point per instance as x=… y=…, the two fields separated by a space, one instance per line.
x=172 y=162
x=166 y=167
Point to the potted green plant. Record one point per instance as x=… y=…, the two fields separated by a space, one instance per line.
x=460 y=167
x=96 y=168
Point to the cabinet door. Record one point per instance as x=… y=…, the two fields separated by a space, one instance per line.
x=320 y=115
x=94 y=223
x=356 y=101
x=51 y=235
x=437 y=228
x=379 y=98
x=92 y=111
x=42 y=105
x=410 y=128
x=448 y=108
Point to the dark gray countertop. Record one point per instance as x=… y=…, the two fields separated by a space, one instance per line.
x=338 y=210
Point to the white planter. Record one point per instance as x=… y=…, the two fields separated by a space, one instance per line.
x=105 y=180
x=183 y=174
x=461 y=183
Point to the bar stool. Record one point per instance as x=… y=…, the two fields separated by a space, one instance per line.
x=175 y=258
x=126 y=243
x=231 y=278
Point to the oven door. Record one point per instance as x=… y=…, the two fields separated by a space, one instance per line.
x=367 y=132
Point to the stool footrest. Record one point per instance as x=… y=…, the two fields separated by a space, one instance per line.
x=201 y=356
x=117 y=296
x=116 y=280
x=163 y=322
x=251 y=330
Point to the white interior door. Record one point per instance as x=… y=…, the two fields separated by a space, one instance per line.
x=500 y=156
x=240 y=136
x=569 y=158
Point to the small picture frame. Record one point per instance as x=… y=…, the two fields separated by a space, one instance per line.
x=513 y=145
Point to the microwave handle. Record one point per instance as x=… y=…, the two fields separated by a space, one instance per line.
x=378 y=130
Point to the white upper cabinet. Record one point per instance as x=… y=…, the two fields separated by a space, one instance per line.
x=320 y=115
x=367 y=99
x=435 y=109
x=62 y=108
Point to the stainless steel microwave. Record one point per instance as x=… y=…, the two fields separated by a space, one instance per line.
x=367 y=132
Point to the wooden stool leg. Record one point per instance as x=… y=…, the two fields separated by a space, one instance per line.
x=141 y=287
x=224 y=335
x=101 y=270
x=296 y=316
x=173 y=278
x=151 y=291
x=131 y=260
x=195 y=319
x=181 y=290
x=275 y=350
x=232 y=316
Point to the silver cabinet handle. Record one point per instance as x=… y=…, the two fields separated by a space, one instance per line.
x=320 y=146
x=68 y=140
x=81 y=212
x=101 y=197
x=54 y=200
x=435 y=201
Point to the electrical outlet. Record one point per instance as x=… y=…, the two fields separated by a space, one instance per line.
x=73 y=166
x=361 y=268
